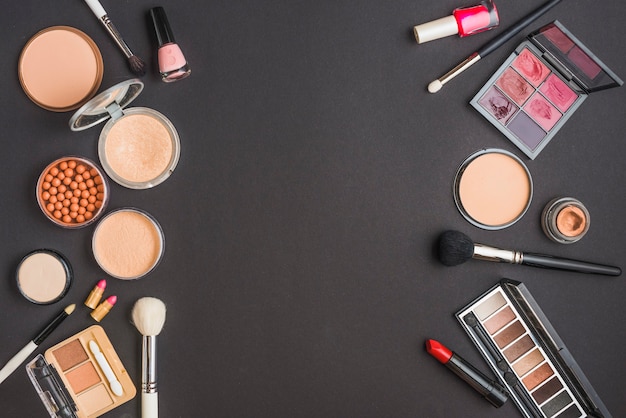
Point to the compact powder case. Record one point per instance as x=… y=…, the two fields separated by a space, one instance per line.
x=527 y=355
x=60 y=68
x=44 y=276
x=540 y=86
x=138 y=147
x=492 y=189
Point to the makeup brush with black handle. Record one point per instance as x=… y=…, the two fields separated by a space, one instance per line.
x=456 y=248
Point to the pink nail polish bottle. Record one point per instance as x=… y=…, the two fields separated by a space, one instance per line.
x=172 y=63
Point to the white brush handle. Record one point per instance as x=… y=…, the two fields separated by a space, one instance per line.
x=96 y=8
x=149 y=405
x=17 y=359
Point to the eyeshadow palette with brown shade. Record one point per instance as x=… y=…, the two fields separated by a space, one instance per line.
x=542 y=83
x=72 y=379
x=528 y=356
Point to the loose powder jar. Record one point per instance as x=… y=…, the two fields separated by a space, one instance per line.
x=44 y=276
x=138 y=147
x=60 y=68
x=128 y=243
x=565 y=220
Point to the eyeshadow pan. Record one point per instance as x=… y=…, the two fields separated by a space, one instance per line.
x=542 y=112
x=83 y=377
x=556 y=404
x=499 y=320
x=489 y=306
x=509 y=334
x=558 y=92
x=539 y=375
x=530 y=67
x=571 y=412
x=498 y=105
x=94 y=400
x=528 y=362
x=518 y=349
x=546 y=391
x=515 y=86
x=70 y=355
x=527 y=130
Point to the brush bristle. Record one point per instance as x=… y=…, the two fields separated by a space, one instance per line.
x=455 y=248
x=149 y=315
x=137 y=66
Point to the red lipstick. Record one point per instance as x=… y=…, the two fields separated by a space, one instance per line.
x=488 y=388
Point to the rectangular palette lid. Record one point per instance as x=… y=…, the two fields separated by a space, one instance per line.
x=573 y=59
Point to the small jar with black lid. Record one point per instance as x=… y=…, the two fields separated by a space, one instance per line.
x=565 y=220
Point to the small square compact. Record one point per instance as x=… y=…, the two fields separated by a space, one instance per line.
x=540 y=86
x=528 y=356
x=81 y=377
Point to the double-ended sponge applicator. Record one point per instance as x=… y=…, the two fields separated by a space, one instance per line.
x=456 y=248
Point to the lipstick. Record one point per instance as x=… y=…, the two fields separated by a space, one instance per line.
x=103 y=309
x=95 y=295
x=489 y=389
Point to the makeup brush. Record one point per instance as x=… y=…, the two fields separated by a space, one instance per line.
x=492 y=45
x=32 y=345
x=456 y=248
x=149 y=316
x=135 y=63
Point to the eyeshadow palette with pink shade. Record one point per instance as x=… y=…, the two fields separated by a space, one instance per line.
x=540 y=86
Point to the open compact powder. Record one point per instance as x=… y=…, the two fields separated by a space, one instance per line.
x=128 y=243
x=493 y=189
x=60 y=68
x=138 y=147
x=44 y=276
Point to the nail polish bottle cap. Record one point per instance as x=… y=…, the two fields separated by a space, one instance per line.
x=161 y=26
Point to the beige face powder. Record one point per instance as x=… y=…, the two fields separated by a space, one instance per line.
x=128 y=243
x=44 y=276
x=493 y=189
x=140 y=149
x=60 y=68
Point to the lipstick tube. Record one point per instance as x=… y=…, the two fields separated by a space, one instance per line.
x=464 y=21
x=489 y=389
x=104 y=308
x=95 y=295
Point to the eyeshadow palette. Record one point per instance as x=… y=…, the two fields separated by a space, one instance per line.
x=81 y=377
x=540 y=86
x=529 y=358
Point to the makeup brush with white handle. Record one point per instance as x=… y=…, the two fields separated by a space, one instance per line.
x=149 y=316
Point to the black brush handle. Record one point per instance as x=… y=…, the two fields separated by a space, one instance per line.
x=547 y=261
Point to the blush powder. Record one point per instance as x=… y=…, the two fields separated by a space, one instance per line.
x=128 y=243
x=493 y=189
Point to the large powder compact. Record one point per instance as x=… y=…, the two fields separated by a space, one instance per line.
x=128 y=243
x=138 y=147
x=493 y=189
x=60 y=68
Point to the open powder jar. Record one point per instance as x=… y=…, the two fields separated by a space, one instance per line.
x=565 y=220
x=138 y=147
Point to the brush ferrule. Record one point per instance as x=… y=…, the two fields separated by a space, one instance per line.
x=110 y=27
x=148 y=364
x=484 y=252
x=471 y=60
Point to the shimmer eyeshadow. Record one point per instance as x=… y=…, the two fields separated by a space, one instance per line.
x=542 y=112
x=530 y=67
x=509 y=334
x=548 y=390
x=528 y=362
x=495 y=302
x=515 y=86
x=95 y=400
x=70 y=355
x=527 y=130
x=83 y=377
x=536 y=377
x=498 y=105
x=518 y=349
x=499 y=320
x=557 y=403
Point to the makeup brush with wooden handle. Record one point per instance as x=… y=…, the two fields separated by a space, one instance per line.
x=456 y=248
x=149 y=316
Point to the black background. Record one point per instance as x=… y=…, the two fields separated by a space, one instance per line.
x=316 y=173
